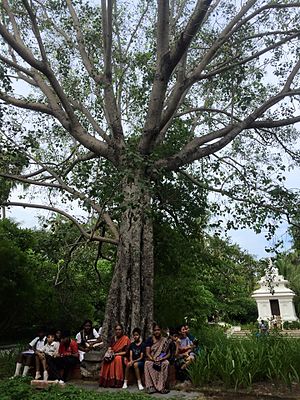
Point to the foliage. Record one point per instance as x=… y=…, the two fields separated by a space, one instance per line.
x=19 y=389
x=238 y=363
x=291 y=325
x=8 y=361
x=288 y=265
x=200 y=277
x=36 y=287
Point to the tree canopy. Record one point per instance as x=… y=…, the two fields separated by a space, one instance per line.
x=119 y=99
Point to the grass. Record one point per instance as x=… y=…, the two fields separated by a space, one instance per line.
x=238 y=363
x=20 y=389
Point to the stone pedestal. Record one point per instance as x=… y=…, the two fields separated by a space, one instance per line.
x=91 y=364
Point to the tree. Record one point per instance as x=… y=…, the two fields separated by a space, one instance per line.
x=121 y=98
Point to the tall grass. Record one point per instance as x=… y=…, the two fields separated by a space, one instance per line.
x=238 y=363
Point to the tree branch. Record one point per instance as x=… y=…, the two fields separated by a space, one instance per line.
x=36 y=30
x=180 y=89
x=190 y=31
x=39 y=107
x=195 y=150
x=165 y=64
x=111 y=108
x=62 y=185
x=228 y=194
x=87 y=62
x=65 y=214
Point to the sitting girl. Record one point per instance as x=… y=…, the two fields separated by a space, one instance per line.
x=49 y=350
x=27 y=358
x=87 y=339
x=136 y=358
x=184 y=354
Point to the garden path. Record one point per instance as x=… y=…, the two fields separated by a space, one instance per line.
x=173 y=394
x=259 y=392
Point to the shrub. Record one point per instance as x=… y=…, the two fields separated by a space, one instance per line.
x=291 y=325
x=8 y=361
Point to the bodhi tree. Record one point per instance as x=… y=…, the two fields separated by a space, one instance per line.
x=110 y=101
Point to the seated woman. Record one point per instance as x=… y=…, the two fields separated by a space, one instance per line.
x=157 y=364
x=184 y=354
x=87 y=339
x=136 y=358
x=111 y=373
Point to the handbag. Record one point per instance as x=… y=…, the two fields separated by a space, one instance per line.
x=156 y=366
x=109 y=356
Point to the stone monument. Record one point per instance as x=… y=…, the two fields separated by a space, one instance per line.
x=273 y=298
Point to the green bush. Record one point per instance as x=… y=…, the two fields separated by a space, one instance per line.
x=20 y=389
x=291 y=325
x=238 y=363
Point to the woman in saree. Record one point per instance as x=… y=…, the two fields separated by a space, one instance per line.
x=157 y=364
x=112 y=370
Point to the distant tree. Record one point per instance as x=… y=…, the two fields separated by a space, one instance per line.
x=121 y=98
x=202 y=278
x=40 y=285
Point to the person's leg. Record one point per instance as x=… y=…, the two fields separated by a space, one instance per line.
x=18 y=369
x=28 y=362
x=126 y=377
x=44 y=362
x=37 y=366
x=68 y=363
x=163 y=377
x=150 y=375
x=54 y=367
x=138 y=375
x=45 y=366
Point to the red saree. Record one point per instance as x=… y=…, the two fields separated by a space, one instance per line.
x=112 y=373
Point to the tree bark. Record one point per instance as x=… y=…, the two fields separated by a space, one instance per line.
x=130 y=299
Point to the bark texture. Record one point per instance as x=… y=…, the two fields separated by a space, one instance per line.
x=130 y=300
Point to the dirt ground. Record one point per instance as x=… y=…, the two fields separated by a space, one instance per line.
x=263 y=391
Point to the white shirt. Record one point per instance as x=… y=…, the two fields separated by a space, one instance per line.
x=50 y=349
x=37 y=343
x=78 y=336
x=78 y=340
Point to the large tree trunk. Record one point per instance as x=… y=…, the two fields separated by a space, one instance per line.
x=130 y=299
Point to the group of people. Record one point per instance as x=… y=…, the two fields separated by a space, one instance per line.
x=152 y=357
x=54 y=354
